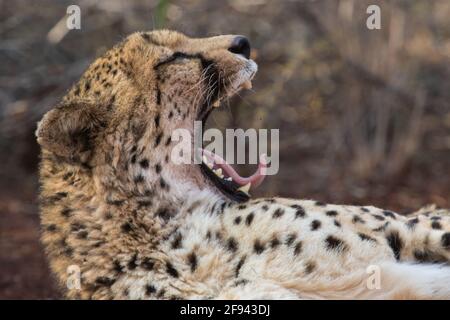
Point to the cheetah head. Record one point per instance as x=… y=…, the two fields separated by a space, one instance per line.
x=117 y=121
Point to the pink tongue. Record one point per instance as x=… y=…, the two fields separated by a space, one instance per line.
x=255 y=179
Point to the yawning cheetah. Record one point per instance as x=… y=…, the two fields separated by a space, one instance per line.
x=139 y=226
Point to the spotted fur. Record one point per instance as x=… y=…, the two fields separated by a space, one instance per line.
x=141 y=227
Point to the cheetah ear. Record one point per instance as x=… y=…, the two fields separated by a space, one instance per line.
x=69 y=130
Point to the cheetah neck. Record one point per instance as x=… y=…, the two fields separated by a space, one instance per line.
x=83 y=224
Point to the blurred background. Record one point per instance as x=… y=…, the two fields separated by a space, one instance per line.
x=364 y=115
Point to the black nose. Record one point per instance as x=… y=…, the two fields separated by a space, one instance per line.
x=240 y=45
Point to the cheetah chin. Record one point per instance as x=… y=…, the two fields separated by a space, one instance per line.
x=121 y=220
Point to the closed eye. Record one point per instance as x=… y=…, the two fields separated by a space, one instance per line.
x=178 y=56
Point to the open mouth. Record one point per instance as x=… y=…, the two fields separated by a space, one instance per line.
x=222 y=174
x=227 y=180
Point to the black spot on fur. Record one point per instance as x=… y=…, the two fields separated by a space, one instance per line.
x=165 y=213
x=132 y=263
x=144 y=203
x=241 y=282
x=177 y=241
x=237 y=220
x=365 y=237
x=320 y=204
x=396 y=243
x=274 y=242
x=218 y=235
x=436 y=225
x=310 y=267
x=158 y=168
x=158 y=139
x=66 y=212
x=445 y=240
x=171 y=270
x=146 y=37
x=389 y=214
x=249 y=219
x=67 y=176
x=144 y=163
x=331 y=213
x=77 y=226
x=364 y=209
x=158 y=96
x=239 y=266
x=315 y=225
x=51 y=227
x=412 y=223
x=258 y=247
x=117 y=267
x=337 y=223
x=104 y=281
x=150 y=289
x=278 y=213
x=126 y=227
x=82 y=234
x=298 y=248
x=381 y=228
x=61 y=195
x=222 y=208
x=265 y=207
x=429 y=257
x=115 y=202
x=232 y=244
x=139 y=179
x=358 y=219
x=299 y=211
x=378 y=217
x=290 y=239
x=333 y=243
x=192 y=260
x=148 y=263
x=157 y=118
x=161 y=293
x=163 y=184
x=108 y=216
x=242 y=206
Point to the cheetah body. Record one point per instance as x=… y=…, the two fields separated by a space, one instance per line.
x=133 y=225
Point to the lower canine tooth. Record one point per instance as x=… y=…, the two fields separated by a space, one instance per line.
x=216 y=104
x=229 y=179
x=247 y=85
x=245 y=188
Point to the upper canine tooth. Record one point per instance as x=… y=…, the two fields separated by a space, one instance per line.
x=204 y=159
x=247 y=85
x=245 y=188
x=218 y=172
x=229 y=179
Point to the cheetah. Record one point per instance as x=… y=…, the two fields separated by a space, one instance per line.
x=137 y=226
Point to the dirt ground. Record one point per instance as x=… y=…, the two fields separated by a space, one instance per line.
x=364 y=116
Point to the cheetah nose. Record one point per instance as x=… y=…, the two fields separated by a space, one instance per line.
x=240 y=45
